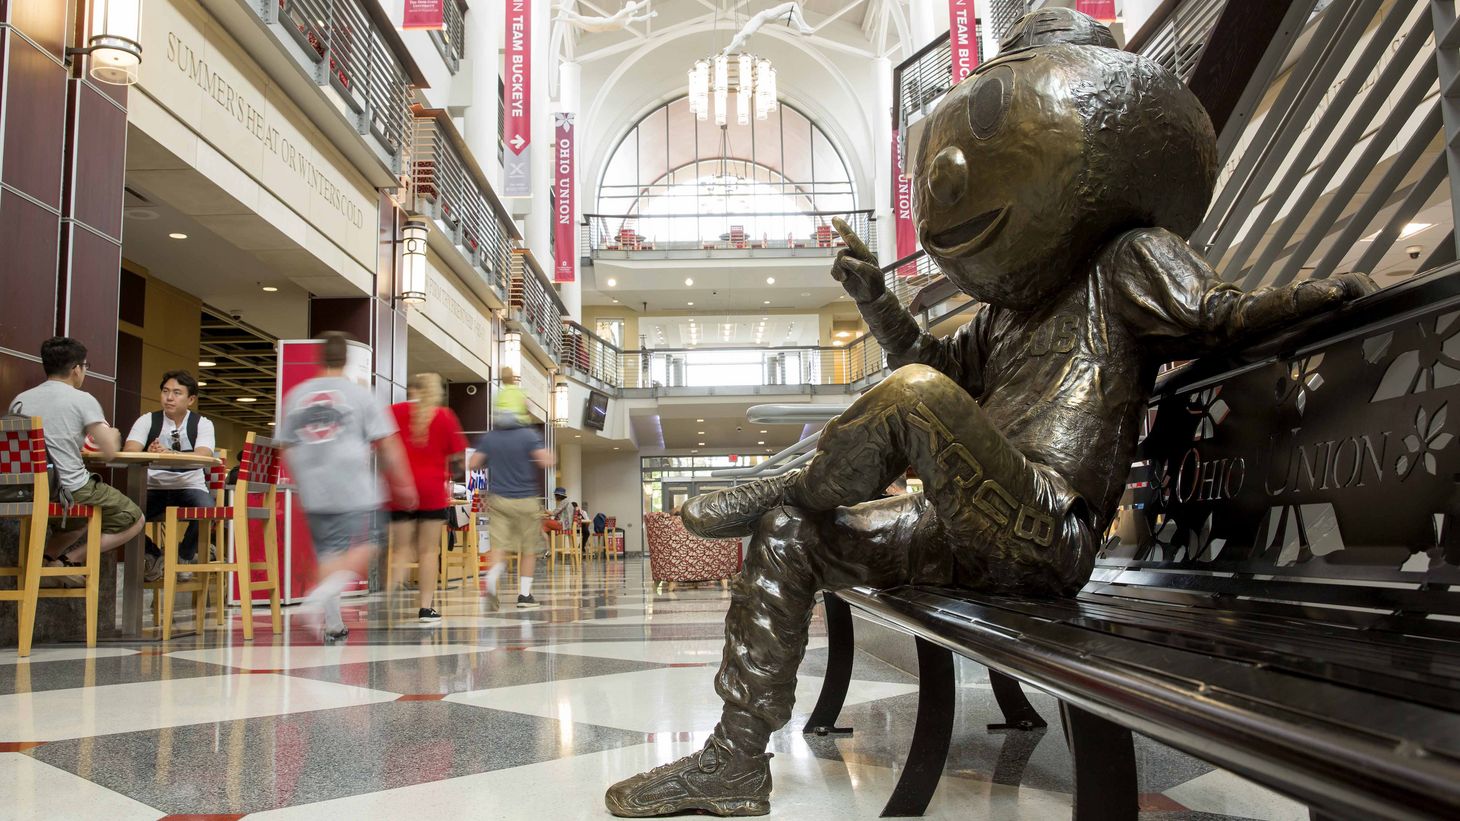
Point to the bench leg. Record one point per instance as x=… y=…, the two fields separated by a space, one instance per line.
x=1104 y=764
x=1019 y=714
x=934 y=730
x=840 y=649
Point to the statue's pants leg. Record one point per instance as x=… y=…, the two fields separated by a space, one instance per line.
x=1015 y=524
x=792 y=555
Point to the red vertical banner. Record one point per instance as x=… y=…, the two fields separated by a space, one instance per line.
x=565 y=263
x=907 y=232
x=425 y=14
x=963 y=38
x=517 y=111
x=1102 y=10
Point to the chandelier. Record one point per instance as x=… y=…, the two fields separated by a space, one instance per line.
x=754 y=81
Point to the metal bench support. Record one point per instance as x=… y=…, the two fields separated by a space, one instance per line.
x=841 y=647
x=1019 y=714
x=934 y=729
x=1105 y=767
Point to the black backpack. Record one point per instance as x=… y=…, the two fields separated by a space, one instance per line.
x=156 y=430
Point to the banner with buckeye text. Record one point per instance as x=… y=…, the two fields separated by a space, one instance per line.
x=517 y=108
x=425 y=14
x=565 y=263
x=963 y=38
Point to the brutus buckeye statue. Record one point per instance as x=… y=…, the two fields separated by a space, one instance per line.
x=1055 y=186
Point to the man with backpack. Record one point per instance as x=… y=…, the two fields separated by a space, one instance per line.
x=176 y=428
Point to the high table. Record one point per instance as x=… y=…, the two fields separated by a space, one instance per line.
x=136 y=466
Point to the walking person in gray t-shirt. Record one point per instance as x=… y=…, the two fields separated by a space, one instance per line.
x=332 y=428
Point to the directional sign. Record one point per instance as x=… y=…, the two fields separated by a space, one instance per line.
x=517 y=111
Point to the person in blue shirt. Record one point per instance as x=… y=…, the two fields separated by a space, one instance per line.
x=515 y=458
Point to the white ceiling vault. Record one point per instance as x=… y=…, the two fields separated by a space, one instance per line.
x=831 y=76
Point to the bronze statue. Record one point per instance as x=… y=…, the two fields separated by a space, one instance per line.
x=1055 y=186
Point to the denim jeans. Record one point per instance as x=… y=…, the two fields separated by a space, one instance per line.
x=158 y=501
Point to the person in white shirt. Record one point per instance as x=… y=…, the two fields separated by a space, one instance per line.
x=174 y=428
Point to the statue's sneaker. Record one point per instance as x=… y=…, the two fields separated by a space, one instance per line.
x=733 y=512
x=713 y=780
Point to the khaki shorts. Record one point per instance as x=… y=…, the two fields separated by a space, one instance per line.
x=117 y=511
x=516 y=525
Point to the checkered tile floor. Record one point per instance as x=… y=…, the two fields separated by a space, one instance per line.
x=514 y=714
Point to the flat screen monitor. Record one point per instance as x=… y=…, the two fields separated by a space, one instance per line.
x=595 y=411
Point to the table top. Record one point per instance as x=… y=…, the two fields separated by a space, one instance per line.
x=165 y=459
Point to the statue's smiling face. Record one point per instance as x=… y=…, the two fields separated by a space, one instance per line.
x=1038 y=158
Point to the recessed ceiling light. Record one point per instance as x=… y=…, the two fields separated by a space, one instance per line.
x=702 y=444
x=202 y=384
x=270 y=288
x=694 y=451
x=805 y=293
x=688 y=281
x=206 y=363
x=177 y=235
x=615 y=448
x=1410 y=229
x=770 y=280
x=691 y=304
x=765 y=431
x=843 y=334
x=271 y=424
x=760 y=443
x=615 y=300
x=577 y=436
x=247 y=399
x=699 y=420
x=700 y=432
x=767 y=302
x=612 y=282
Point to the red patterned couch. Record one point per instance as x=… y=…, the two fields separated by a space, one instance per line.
x=677 y=556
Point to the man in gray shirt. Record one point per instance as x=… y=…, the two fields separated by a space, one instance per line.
x=331 y=429
x=68 y=415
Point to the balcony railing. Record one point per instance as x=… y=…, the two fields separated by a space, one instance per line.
x=786 y=233
x=1002 y=14
x=1177 y=34
x=534 y=305
x=358 y=54
x=448 y=186
x=591 y=356
x=717 y=369
x=451 y=42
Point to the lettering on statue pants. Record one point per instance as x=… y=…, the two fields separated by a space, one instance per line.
x=989 y=497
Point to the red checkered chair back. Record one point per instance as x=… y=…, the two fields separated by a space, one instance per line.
x=22 y=450
x=259 y=464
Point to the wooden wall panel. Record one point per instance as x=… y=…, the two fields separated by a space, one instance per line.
x=91 y=310
x=29 y=237
x=34 y=122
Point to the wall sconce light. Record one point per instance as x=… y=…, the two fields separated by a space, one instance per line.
x=560 y=405
x=512 y=352
x=413 y=260
x=114 y=41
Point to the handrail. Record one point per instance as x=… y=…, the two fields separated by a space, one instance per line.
x=804 y=413
x=534 y=303
x=705 y=231
x=447 y=185
x=753 y=367
x=591 y=355
x=1177 y=34
x=770 y=461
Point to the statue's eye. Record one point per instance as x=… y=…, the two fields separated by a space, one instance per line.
x=989 y=102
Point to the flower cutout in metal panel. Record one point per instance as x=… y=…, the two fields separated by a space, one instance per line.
x=1433 y=363
x=1211 y=409
x=1428 y=438
x=1301 y=380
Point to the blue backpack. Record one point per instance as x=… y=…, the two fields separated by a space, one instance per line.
x=600 y=523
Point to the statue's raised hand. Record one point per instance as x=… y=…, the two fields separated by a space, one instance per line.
x=856 y=267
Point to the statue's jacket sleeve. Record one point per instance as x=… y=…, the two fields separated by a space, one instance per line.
x=960 y=356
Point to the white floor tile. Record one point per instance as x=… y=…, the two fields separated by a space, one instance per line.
x=806 y=789
x=35 y=791
x=663 y=700
x=705 y=651
x=660 y=618
x=1226 y=793
x=294 y=658
x=51 y=715
x=40 y=654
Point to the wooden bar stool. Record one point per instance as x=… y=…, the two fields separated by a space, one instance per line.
x=258 y=478
x=23 y=462
x=467 y=558
x=211 y=536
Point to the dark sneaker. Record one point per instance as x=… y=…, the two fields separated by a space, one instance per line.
x=429 y=614
x=524 y=602
x=76 y=580
x=335 y=636
x=493 y=604
x=713 y=780
x=733 y=512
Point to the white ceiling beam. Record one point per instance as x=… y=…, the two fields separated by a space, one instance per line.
x=838 y=14
x=629 y=45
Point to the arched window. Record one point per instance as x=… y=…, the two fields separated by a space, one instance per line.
x=681 y=182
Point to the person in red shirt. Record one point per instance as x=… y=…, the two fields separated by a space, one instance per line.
x=435 y=448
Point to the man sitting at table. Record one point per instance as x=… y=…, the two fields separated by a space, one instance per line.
x=69 y=415
x=174 y=429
